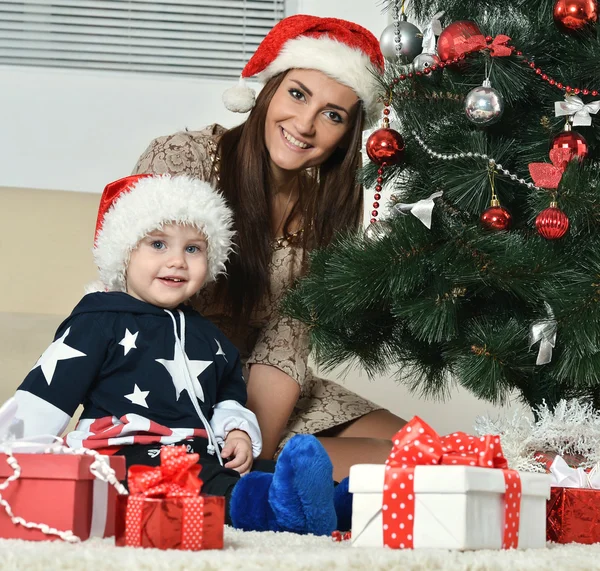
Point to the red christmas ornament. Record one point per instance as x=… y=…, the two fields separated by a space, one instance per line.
x=575 y=15
x=572 y=141
x=552 y=223
x=385 y=146
x=495 y=217
x=452 y=36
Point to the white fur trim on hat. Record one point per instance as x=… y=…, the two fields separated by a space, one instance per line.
x=152 y=202
x=350 y=66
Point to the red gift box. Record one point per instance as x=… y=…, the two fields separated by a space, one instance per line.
x=165 y=509
x=60 y=491
x=573 y=515
x=170 y=523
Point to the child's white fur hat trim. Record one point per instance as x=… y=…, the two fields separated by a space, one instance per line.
x=146 y=204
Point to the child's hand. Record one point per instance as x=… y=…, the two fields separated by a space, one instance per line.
x=238 y=447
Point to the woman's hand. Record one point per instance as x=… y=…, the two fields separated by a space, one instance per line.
x=238 y=447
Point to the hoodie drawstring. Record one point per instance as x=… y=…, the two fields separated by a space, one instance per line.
x=212 y=441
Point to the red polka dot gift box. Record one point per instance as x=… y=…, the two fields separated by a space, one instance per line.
x=165 y=508
x=448 y=492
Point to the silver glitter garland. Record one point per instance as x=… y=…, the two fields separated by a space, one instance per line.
x=492 y=162
x=397 y=42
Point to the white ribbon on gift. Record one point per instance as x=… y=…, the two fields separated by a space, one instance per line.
x=573 y=105
x=544 y=331
x=11 y=441
x=433 y=29
x=421 y=209
x=564 y=476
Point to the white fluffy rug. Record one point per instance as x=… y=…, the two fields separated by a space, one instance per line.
x=283 y=552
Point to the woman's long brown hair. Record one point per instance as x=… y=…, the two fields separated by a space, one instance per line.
x=330 y=200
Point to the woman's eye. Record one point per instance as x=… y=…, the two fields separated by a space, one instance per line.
x=336 y=117
x=296 y=94
x=158 y=245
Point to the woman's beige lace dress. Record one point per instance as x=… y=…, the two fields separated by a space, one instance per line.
x=268 y=338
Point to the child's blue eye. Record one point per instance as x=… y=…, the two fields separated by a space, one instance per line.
x=192 y=249
x=158 y=245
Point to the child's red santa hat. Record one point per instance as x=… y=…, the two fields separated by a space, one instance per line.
x=340 y=49
x=134 y=206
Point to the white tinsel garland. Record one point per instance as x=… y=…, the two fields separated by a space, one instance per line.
x=571 y=428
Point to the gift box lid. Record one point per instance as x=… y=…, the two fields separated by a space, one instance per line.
x=369 y=478
x=58 y=466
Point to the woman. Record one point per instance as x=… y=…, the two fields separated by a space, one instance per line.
x=289 y=173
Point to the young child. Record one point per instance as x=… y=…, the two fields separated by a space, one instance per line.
x=151 y=371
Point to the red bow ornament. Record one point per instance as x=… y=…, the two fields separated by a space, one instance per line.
x=547 y=175
x=498 y=46
x=417 y=444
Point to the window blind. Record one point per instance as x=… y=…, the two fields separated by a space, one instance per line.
x=210 y=38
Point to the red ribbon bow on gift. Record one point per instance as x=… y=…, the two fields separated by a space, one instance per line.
x=497 y=45
x=177 y=475
x=546 y=175
x=418 y=444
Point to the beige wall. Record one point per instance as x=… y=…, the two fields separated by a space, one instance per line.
x=46 y=238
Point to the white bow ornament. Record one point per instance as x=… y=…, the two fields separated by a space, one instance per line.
x=544 y=331
x=422 y=209
x=433 y=29
x=573 y=106
x=564 y=476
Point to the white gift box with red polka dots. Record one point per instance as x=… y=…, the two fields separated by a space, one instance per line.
x=455 y=507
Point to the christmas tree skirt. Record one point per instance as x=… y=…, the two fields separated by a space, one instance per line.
x=282 y=551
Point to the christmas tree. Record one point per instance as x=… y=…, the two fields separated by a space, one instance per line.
x=486 y=272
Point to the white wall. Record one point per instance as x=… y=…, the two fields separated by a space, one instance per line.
x=77 y=130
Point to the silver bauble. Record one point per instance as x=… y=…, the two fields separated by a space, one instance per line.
x=424 y=61
x=484 y=105
x=378 y=230
x=410 y=42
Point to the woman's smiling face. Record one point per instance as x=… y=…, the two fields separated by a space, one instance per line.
x=308 y=117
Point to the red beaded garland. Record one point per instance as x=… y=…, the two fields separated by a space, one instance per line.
x=552 y=223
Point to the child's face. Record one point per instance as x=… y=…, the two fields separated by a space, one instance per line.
x=168 y=266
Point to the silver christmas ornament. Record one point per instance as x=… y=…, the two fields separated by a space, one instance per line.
x=484 y=105
x=402 y=40
x=424 y=61
x=378 y=230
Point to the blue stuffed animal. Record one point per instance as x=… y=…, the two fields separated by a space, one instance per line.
x=299 y=496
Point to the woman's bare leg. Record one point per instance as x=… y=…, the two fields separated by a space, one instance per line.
x=366 y=440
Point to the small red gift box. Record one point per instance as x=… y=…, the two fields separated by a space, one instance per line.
x=165 y=509
x=60 y=491
x=573 y=515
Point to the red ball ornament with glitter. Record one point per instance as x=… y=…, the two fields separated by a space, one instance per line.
x=572 y=141
x=452 y=35
x=552 y=223
x=575 y=15
x=495 y=217
x=385 y=146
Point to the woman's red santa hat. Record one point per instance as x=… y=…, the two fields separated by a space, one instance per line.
x=134 y=206
x=340 y=49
